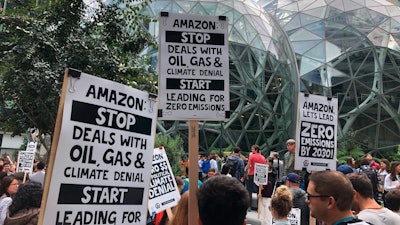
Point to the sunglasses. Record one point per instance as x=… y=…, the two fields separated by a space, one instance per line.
x=308 y=196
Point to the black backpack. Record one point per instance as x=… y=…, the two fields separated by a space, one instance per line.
x=232 y=162
x=373 y=176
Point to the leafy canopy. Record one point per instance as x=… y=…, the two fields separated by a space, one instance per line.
x=38 y=42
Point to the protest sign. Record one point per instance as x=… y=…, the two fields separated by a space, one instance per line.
x=31 y=147
x=293 y=217
x=260 y=174
x=163 y=193
x=194 y=67
x=25 y=161
x=316 y=133
x=101 y=165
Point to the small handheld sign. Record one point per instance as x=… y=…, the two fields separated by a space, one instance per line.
x=163 y=192
x=261 y=174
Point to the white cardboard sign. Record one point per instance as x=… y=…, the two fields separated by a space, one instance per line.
x=194 y=67
x=260 y=174
x=103 y=161
x=163 y=192
x=316 y=139
x=25 y=161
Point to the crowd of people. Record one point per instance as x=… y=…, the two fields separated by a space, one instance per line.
x=362 y=191
x=20 y=195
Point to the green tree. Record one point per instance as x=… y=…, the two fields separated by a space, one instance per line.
x=38 y=43
x=347 y=146
x=174 y=149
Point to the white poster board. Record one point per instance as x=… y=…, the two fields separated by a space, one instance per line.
x=31 y=146
x=294 y=217
x=260 y=174
x=103 y=161
x=194 y=67
x=316 y=133
x=25 y=161
x=163 y=192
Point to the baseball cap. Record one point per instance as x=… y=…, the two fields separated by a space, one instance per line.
x=293 y=177
x=290 y=141
x=345 y=169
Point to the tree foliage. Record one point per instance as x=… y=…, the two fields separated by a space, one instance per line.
x=348 y=147
x=38 y=43
x=174 y=149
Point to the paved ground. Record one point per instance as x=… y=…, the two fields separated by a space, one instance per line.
x=252 y=218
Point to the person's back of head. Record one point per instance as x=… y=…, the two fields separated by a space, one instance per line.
x=281 y=202
x=222 y=200
x=236 y=150
x=393 y=200
x=29 y=195
x=40 y=165
x=335 y=184
x=364 y=162
x=362 y=184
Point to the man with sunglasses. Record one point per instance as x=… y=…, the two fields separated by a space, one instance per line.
x=330 y=197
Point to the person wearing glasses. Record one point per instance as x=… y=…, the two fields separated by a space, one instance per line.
x=330 y=197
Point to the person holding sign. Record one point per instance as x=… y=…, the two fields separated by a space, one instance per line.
x=254 y=158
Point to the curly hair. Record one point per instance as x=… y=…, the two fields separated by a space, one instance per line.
x=282 y=201
x=29 y=195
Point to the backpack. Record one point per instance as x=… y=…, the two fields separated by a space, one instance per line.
x=232 y=162
x=205 y=166
x=372 y=175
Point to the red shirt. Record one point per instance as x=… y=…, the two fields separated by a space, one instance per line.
x=253 y=159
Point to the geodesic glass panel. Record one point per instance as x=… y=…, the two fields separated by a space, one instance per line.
x=359 y=65
x=262 y=86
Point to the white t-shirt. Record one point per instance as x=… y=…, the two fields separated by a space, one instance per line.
x=390 y=184
x=382 y=216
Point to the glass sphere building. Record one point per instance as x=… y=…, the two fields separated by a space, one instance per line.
x=277 y=49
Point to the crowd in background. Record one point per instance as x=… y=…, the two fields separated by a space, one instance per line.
x=374 y=197
x=20 y=194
